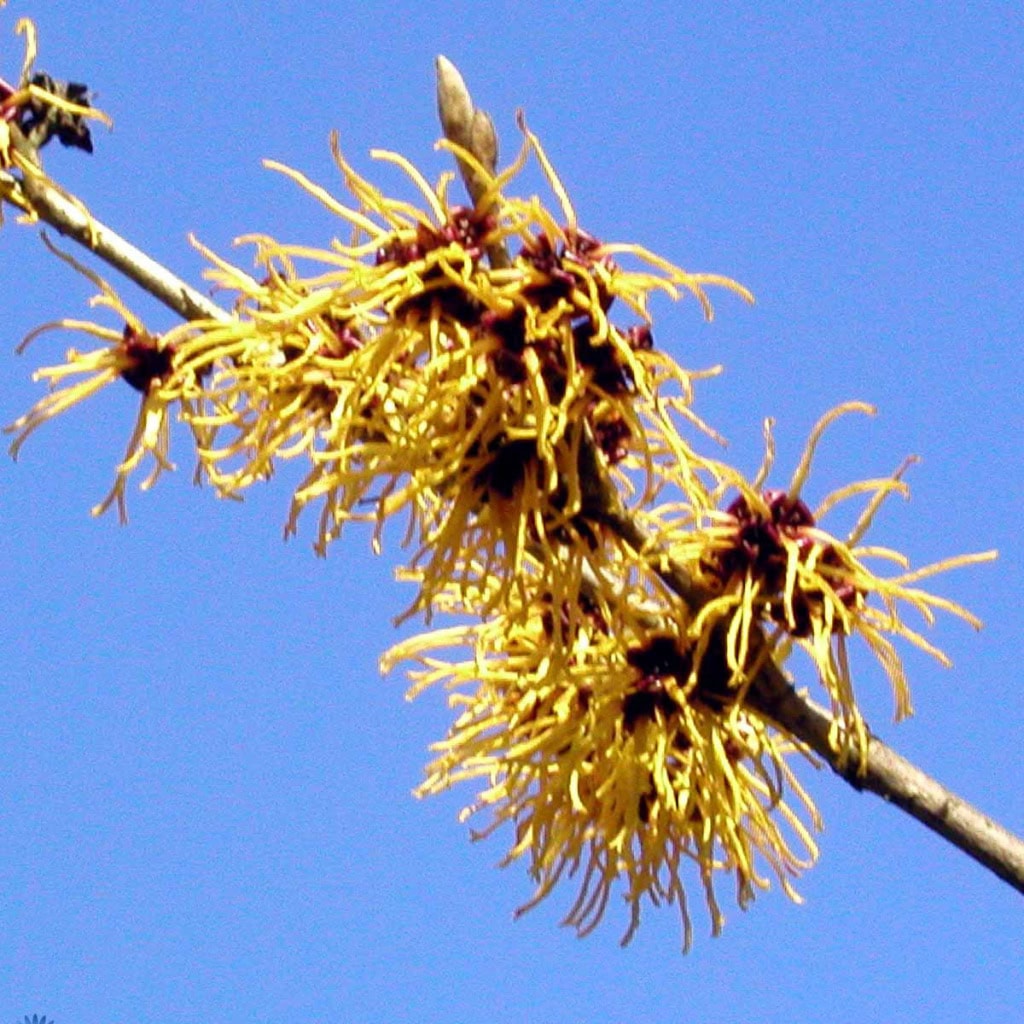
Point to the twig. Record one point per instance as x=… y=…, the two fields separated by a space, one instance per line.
x=69 y=216
x=895 y=779
x=883 y=772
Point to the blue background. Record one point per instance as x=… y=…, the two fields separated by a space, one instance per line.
x=205 y=809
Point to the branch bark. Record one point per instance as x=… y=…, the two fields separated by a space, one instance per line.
x=895 y=779
x=69 y=217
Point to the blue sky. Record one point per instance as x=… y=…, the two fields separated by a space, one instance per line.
x=205 y=809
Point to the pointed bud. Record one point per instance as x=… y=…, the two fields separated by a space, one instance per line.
x=454 y=104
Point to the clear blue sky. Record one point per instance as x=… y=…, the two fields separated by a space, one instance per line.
x=205 y=809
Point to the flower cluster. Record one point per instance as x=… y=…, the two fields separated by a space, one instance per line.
x=490 y=373
x=414 y=376
x=613 y=747
x=772 y=573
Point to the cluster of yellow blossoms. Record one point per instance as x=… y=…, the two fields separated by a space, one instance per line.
x=464 y=368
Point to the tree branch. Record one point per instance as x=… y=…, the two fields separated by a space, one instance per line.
x=70 y=217
x=884 y=772
x=892 y=777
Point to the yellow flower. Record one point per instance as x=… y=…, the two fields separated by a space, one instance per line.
x=467 y=368
x=767 y=567
x=615 y=756
x=144 y=361
x=420 y=376
x=417 y=373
